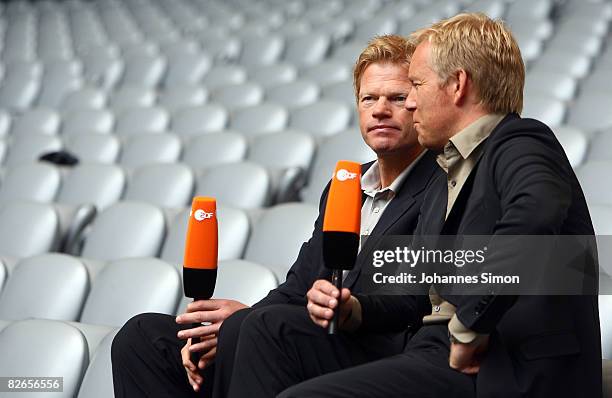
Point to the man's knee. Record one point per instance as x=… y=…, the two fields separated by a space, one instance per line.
x=230 y=328
x=275 y=320
x=133 y=332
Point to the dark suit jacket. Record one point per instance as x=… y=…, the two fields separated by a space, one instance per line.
x=385 y=313
x=523 y=184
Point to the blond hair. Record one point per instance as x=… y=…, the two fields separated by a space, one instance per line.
x=486 y=50
x=392 y=49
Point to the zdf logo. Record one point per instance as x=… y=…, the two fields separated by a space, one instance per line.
x=343 y=175
x=201 y=215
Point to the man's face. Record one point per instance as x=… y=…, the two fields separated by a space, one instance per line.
x=385 y=123
x=431 y=102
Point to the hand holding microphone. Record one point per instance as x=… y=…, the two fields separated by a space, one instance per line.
x=341 y=226
x=200 y=261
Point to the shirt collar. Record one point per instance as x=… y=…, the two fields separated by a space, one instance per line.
x=370 y=180
x=468 y=139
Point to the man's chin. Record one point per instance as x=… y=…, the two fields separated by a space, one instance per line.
x=426 y=142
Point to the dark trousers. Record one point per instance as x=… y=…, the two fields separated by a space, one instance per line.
x=146 y=358
x=281 y=352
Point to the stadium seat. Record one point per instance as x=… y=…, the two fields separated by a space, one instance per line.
x=233 y=234
x=142 y=149
x=346 y=145
x=28 y=148
x=308 y=49
x=102 y=69
x=179 y=96
x=261 y=50
x=98 y=379
x=574 y=142
x=287 y=155
x=260 y=119
x=328 y=72
x=276 y=242
x=55 y=86
x=94 y=147
x=83 y=98
x=219 y=76
x=271 y=75
x=144 y=70
x=36 y=121
x=47 y=286
x=130 y=286
x=591 y=111
x=376 y=26
x=37 y=182
x=546 y=109
x=5 y=122
x=3 y=276
x=214 y=148
x=131 y=96
x=240 y=280
x=558 y=60
x=85 y=121
x=598 y=145
x=558 y=85
x=126 y=229
x=63 y=354
x=236 y=96
x=340 y=91
x=605 y=312
x=18 y=91
x=591 y=175
x=142 y=120
x=199 y=119
x=27 y=229
x=98 y=184
x=243 y=184
x=294 y=94
x=186 y=68
x=163 y=185
x=322 y=118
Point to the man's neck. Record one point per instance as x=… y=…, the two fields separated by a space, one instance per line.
x=391 y=165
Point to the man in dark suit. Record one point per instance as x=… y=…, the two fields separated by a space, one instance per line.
x=149 y=355
x=503 y=176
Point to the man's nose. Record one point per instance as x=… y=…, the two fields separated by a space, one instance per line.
x=381 y=108
x=410 y=101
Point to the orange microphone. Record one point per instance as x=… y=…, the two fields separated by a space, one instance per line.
x=201 y=247
x=200 y=261
x=342 y=224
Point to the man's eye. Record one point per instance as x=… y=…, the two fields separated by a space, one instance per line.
x=400 y=98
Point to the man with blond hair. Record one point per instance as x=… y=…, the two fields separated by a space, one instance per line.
x=503 y=175
x=149 y=355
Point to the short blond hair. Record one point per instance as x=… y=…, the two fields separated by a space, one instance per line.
x=392 y=49
x=486 y=50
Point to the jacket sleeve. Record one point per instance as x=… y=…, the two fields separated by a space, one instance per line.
x=533 y=182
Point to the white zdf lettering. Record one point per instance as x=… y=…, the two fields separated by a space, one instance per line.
x=201 y=215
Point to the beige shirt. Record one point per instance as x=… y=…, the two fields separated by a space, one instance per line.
x=458 y=160
x=377 y=200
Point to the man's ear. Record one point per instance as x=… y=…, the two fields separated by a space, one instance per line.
x=460 y=83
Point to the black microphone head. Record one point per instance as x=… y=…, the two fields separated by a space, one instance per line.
x=340 y=249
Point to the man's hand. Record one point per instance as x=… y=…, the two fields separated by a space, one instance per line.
x=213 y=312
x=193 y=374
x=466 y=357
x=323 y=300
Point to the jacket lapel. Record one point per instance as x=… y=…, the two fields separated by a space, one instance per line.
x=414 y=184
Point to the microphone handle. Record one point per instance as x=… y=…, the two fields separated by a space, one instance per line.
x=336 y=279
